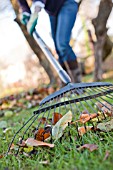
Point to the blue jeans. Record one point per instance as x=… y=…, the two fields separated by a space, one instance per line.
x=61 y=27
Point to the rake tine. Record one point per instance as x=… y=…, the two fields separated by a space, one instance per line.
x=108 y=94
x=105 y=101
x=27 y=129
x=86 y=109
x=17 y=133
x=98 y=106
x=79 y=113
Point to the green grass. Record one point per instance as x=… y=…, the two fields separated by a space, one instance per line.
x=63 y=156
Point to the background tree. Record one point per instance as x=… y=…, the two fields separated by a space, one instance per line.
x=103 y=45
x=35 y=47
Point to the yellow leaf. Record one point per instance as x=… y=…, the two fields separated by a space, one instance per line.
x=29 y=149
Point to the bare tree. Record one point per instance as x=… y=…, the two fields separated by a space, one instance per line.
x=35 y=47
x=103 y=45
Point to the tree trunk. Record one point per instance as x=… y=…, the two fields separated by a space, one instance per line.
x=36 y=49
x=103 y=45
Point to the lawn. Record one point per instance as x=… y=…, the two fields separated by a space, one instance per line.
x=64 y=155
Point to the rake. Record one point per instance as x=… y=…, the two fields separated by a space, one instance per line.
x=90 y=98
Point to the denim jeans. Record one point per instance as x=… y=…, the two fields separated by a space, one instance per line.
x=61 y=27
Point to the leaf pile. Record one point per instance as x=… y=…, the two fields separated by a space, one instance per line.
x=59 y=124
x=25 y=100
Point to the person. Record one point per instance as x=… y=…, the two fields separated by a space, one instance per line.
x=62 y=15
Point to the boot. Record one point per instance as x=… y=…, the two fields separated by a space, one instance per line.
x=73 y=70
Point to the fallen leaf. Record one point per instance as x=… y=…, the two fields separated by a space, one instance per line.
x=43 y=90
x=105 y=107
x=85 y=112
x=106 y=155
x=106 y=126
x=93 y=115
x=59 y=127
x=56 y=117
x=33 y=142
x=82 y=130
x=28 y=149
x=1 y=156
x=50 y=90
x=98 y=105
x=86 y=117
x=21 y=143
x=42 y=120
x=12 y=146
x=107 y=111
x=90 y=147
x=42 y=134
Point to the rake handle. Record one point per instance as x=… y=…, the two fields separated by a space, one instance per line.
x=61 y=72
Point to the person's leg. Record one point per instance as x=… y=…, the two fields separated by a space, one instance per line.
x=65 y=22
x=53 y=24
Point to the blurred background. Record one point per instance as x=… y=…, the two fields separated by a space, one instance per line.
x=21 y=61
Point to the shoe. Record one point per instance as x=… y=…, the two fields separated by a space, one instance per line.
x=73 y=70
x=76 y=75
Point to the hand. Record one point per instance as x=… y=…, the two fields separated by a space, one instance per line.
x=25 y=16
x=32 y=22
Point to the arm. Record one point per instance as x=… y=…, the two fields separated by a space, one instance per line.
x=29 y=16
x=24 y=6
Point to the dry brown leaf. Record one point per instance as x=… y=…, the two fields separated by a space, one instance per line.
x=42 y=134
x=22 y=143
x=108 y=112
x=98 y=105
x=85 y=112
x=50 y=90
x=43 y=90
x=106 y=155
x=86 y=117
x=90 y=147
x=94 y=115
x=105 y=107
x=1 y=156
x=33 y=142
x=82 y=130
x=12 y=146
x=56 y=117
x=42 y=120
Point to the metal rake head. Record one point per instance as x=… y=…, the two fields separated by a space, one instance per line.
x=80 y=98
